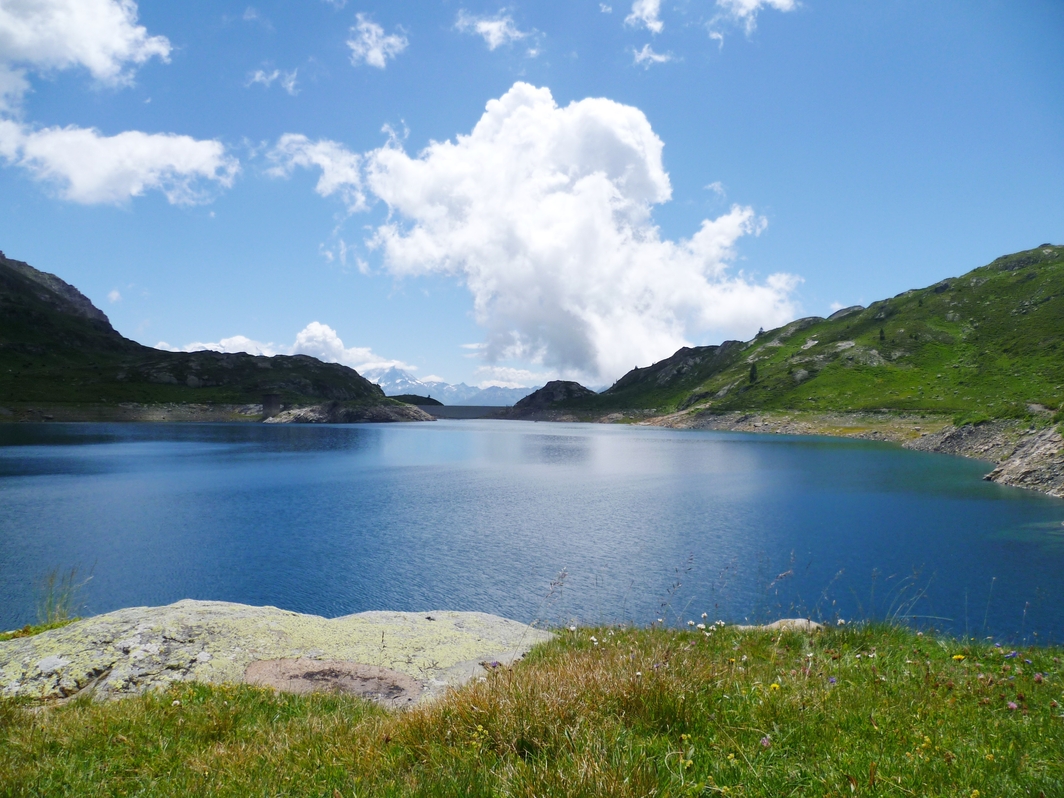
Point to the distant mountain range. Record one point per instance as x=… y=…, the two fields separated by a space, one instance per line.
x=397 y=382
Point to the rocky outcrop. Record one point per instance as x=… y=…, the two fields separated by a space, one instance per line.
x=398 y=658
x=339 y=413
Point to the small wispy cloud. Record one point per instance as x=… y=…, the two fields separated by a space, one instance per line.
x=495 y=31
x=744 y=13
x=287 y=80
x=605 y=9
x=646 y=57
x=717 y=188
x=645 y=14
x=369 y=44
x=114 y=296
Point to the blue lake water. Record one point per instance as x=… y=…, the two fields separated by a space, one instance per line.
x=485 y=515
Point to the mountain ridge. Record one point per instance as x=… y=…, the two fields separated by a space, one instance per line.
x=987 y=344
x=57 y=348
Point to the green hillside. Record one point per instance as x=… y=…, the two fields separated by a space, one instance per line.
x=987 y=344
x=57 y=348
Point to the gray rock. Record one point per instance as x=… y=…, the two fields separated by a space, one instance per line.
x=145 y=648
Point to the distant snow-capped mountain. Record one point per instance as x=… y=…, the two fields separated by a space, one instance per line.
x=394 y=381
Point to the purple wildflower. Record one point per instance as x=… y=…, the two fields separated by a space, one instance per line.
x=1028 y=662
x=1011 y=655
x=831 y=680
x=997 y=645
x=1012 y=706
x=765 y=742
x=1038 y=678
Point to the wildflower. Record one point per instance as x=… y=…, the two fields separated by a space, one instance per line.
x=1038 y=678
x=1011 y=655
x=704 y=616
x=690 y=623
x=975 y=794
x=840 y=622
x=701 y=627
x=774 y=686
x=1028 y=662
x=997 y=645
x=1012 y=706
x=175 y=703
x=958 y=657
x=765 y=741
x=661 y=620
x=572 y=628
x=638 y=673
x=831 y=680
x=989 y=757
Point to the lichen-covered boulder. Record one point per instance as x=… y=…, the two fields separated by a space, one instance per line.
x=142 y=648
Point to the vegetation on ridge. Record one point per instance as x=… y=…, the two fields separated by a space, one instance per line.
x=988 y=344
x=606 y=711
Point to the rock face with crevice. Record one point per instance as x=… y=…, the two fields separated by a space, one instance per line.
x=398 y=658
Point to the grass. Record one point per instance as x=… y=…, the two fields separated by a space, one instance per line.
x=870 y=710
x=58 y=602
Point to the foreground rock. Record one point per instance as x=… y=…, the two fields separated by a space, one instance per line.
x=397 y=658
x=339 y=413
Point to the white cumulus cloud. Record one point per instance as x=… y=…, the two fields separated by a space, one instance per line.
x=645 y=14
x=340 y=168
x=370 y=45
x=646 y=57
x=90 y=168
x=544 y=213
x=101 y=36
x=316 y=339
x=744 y=12
x=496 y=31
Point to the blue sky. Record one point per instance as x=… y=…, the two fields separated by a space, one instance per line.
x=505 y=194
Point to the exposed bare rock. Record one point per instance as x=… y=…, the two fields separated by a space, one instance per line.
x=412 y=656
x=339 y=413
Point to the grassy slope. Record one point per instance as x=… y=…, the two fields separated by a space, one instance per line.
x=986 y=344
x=51 y=352
x=866 y=711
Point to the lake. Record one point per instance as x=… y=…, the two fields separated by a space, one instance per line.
x=547 y=522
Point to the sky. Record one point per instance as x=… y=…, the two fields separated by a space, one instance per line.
x=506 y=194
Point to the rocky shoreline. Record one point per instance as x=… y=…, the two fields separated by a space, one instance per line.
x=1023 y=455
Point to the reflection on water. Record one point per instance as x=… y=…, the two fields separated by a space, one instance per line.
x=483 y=515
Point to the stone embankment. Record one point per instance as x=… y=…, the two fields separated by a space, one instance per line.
x=397 y=658
x=1023 y=456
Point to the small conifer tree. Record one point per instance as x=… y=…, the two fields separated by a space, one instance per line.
x=753 y=372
